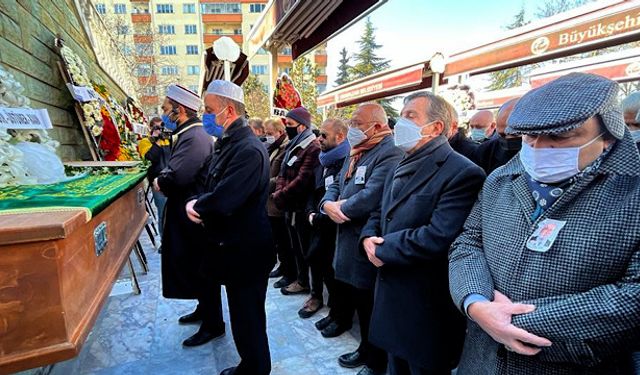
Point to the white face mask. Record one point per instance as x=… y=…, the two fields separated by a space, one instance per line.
x=356 y=136
x=269 y=139
x=406 y=134
x=550 y=165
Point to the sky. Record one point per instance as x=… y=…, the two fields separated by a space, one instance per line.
x=411 y=31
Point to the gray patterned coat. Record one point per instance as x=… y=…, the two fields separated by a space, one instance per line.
x=586 y=287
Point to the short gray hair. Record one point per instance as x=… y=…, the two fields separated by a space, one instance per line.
x=239 y=107
x=631 y=104
x=438 y=108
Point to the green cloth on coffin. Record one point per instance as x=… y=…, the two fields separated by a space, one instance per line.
x=93 y=193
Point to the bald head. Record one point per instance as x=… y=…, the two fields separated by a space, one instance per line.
x=482 y=125
x=503 y=116
x=371 y=112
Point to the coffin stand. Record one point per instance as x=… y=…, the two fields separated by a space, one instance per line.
x=56 y=272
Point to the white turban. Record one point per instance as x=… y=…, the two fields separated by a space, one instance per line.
x=184 y=96
x=226 y=89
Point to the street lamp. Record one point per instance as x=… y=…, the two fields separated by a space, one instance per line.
x=437 y=66
x=228 y=51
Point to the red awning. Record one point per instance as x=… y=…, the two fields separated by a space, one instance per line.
x=594 y=26
x=620 y=66
x=381 y=85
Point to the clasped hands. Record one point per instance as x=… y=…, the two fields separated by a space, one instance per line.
x=494 y=317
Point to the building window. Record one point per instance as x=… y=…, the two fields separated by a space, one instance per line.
x=258 y=69
x=256 y=8
x=193 y=70
x=126 y=50
x=261 y=51
x=220 y=8
x=120 y=8
x=286 y=51
x=101 y=8
x=286 y=70
x=150 y=91
x=321 y=88
x=123 y=30
x=166 y=29
x=190 y=29
x=164 y=8
x=194 y=88
x=144 y=49
x=216 y=31
x=192 y=50
x=237 y=31
x=143 y=70
x=167 y=50
x=188 y=8
x=170 y=70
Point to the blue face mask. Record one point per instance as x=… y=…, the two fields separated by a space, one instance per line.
x=210 y=126
x=478 y=135
x=168 y=123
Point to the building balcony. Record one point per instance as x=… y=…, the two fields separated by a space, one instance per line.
x=141 y=18
x=320 y=60
x=143 y=59
x=217 y=18
x=210 y=38
x=284 y=59
x=321 y=79
x=150 y=80
x=149 y=100
x=137 y=38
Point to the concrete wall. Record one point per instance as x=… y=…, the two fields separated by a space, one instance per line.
x=27 y=32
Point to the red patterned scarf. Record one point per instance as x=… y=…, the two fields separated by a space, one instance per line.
x=358 y=151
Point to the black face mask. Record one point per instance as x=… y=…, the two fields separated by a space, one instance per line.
x=510 y=144
x=291 y=132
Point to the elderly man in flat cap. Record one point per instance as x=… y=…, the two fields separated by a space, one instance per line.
x=232 y=208
x=547 y=268
x=182 y=248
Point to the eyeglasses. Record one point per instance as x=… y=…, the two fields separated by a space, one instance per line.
x=355 y=124
x=323 y=135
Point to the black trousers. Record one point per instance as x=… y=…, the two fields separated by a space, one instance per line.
x=376 y=358
x=342 y=305
x=283 y=247
x=399 y=366
x=249 y=326
x=322 y=273
x=299 y=233
x=210 y=307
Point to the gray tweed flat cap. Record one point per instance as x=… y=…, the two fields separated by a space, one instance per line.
x=565 y=104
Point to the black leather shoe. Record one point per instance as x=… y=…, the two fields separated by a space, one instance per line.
x=229 y=371
x=194 y=317
x=334 y=330
x=323 y=323
x=368 y=371
x=275 y=273
x=282 y=283
x=351 y=360
x=202 y=337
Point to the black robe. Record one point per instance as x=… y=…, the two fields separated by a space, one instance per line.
x=182 y=240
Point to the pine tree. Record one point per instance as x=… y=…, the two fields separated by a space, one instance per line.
x=511 y=77
x=343 y=68
x=368 y=62
x=256 y=97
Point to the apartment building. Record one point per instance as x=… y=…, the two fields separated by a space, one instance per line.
x=169 y=37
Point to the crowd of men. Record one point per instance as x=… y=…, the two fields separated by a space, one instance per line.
x=515 y=250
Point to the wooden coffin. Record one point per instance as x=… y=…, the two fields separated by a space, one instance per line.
x=52 y=282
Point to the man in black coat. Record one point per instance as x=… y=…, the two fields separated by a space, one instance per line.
x=457 y=139
x=497 y=151
x=232 y=209
x=182 y=239
x=425 y=202
x=322 y=244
